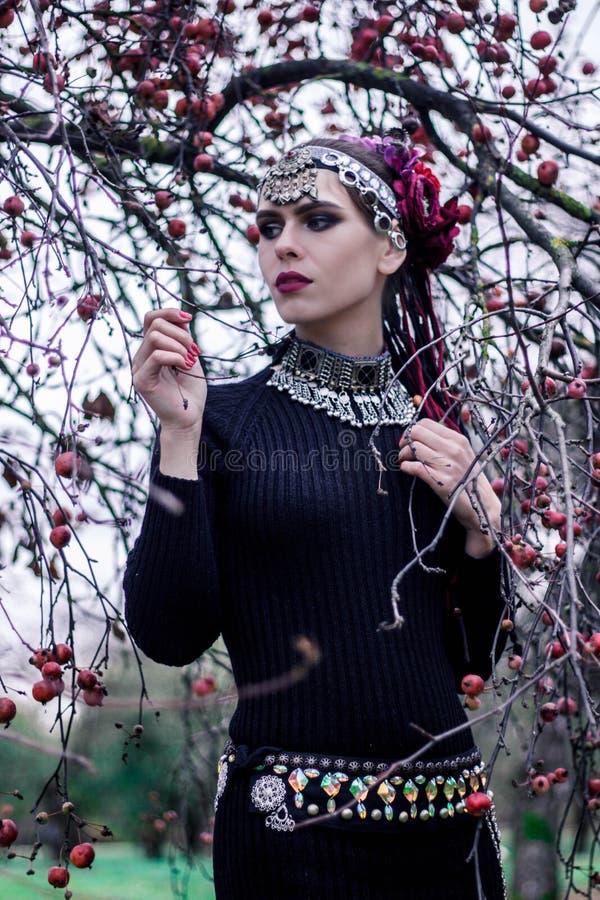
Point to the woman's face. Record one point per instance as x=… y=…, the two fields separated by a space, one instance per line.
x=321 y=259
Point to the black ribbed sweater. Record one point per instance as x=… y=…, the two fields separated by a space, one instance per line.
x=283 y=536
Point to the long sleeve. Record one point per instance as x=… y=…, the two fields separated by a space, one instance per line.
x=171 y=580
x=474 y=640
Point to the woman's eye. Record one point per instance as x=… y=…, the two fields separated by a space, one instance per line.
x=269 y=230
x=320 y=223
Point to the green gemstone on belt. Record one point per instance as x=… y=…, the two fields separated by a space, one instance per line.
x=413 y=810
x=330 y=785
x=359 y=790
x=450 y=787
x=280 y=770
x=299 y=800
x=389 y=813
x=431 y=790
x=450 y=809
x=420 y=779
x=410 y=791
x=331 y=805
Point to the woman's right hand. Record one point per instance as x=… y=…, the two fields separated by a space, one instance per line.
x=166 y=371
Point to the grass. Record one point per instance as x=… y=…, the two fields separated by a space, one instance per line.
x=120 y=872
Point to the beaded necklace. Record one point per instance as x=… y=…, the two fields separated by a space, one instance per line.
x=354 y=390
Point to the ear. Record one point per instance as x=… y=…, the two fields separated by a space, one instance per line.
x=390 y=258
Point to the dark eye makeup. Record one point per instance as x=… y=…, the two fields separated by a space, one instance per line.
x=313 y=221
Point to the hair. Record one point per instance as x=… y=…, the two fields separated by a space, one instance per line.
x=412 y=332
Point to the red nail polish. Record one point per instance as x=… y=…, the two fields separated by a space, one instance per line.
x=186 y=316
x=189 y=362
x=196 y=349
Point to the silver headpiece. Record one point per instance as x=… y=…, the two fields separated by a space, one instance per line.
x=296 y=174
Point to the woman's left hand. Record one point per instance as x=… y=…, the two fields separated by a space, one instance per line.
x=441 y=457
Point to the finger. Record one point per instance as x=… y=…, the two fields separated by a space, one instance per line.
x=171 y=314
x=165 y=336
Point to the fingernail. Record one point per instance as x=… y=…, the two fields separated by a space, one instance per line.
x=196 y=349
x=189 y=362
x=186 y=316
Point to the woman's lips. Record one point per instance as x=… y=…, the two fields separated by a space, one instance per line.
x=287 y=282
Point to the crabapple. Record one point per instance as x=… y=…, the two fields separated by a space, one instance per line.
x=61 y=516
x=94 y=696
x=82 y=855
x=530 y=144
x=455 y=23
x=253 y=234
x=51 y=670
x=86 y=679
x=163 y=199
x=58 y=876
x=515 y=662
x=472 y=703
x=566 y=706
x=560 y=549
x=549 y=712
x=176 y=228
x=540 y=784
x=60 y=536
x=478 y=804
x=8 y=832
x=472 y=685
x=204 y=686
x=13 y=206
x=64 y=653
x=577 y=389
x=547 y=172
x=561 y=775
x=540 y=40
x=45 y=690
x=8 y=710
x=203 y=163
x=594 y=786
x=523 y=556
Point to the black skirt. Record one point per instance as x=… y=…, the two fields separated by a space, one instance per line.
x=418 y=861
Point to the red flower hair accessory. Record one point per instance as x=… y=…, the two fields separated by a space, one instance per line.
x=430 y=227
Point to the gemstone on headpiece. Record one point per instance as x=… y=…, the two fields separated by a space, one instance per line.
x=294 y=175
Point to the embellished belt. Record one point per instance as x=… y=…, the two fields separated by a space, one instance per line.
x=345 y=792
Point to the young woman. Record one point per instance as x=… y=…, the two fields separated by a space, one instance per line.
x=270 y=522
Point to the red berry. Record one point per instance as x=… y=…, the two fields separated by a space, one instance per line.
x=82 y=855
x=577 y=389
x=540 y=784
x=552 y=518
x=58 y=876
x=176 y=228
x=311 y=14
x=203 y=163
x=523 y=556
x=594 y=643
x=86 y=679
x=547 y=172
x=51 y=670
x=61 y=516
x=32 y=370
x=64 y=654
x=537 y=6
x=588 y=68
x=8 y=710
x=549 y=712
x=464 y=213
x=530 y=144
x=540 y=40
x=467 y=5
x=253 y=234
x=7 y=17
x=8 y=832
x=561 y=775
x=145 y=90
x=60 y=537
x=163 y=199
x=508 y=91
x=44 y=691
x=594 y=786
x=566 y=706
x=67 y=464
x=478 y=804
x=94 y=696
x=13 y=206
x=472 y=702
x=455 y=23
x=203 y=686
x=560 y=549
x=515 y=662
x=472 y=685
x=88 y=306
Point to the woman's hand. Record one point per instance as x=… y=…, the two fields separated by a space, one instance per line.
x=167 y=374
x=441 y=457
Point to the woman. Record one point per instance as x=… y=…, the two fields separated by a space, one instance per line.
x=270 y=522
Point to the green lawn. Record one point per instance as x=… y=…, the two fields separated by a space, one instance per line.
x=120 y=872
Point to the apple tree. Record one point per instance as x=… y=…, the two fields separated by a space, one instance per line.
x=132 y=136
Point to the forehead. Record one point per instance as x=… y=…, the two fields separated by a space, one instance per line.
x=329 y=190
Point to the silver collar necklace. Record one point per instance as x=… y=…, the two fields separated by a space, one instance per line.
x=352 y=390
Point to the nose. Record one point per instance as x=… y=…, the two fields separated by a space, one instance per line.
x=287 y=243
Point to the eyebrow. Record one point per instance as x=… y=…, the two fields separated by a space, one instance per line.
x=299 y=210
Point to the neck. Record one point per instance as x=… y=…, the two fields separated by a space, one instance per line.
x=348 y=342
